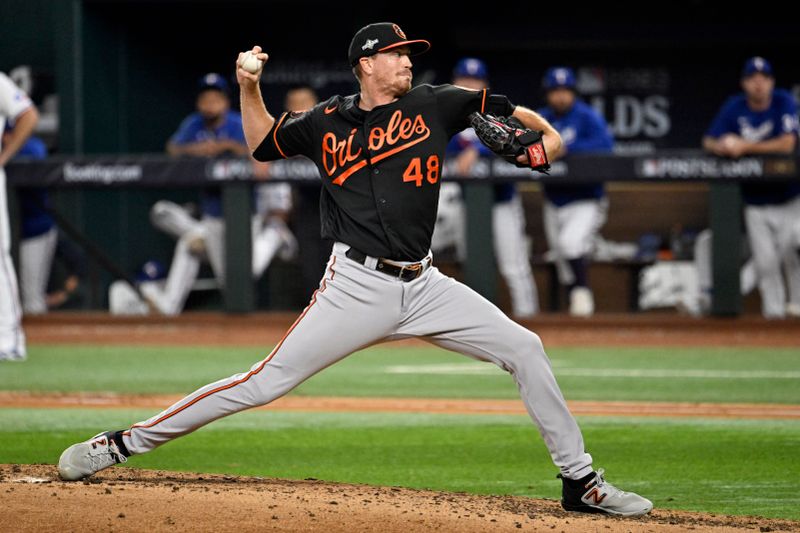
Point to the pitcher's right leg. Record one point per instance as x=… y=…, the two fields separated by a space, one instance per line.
x=342 y=317
x=348 y=312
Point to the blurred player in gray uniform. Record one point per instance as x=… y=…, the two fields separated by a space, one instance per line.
x=574 y=214
x=763 y=120
x=15 y=106
x=508 y=216
x=215 y=130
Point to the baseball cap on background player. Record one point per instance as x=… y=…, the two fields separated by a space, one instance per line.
x=471 y=67
x=558 y=77
x=151 y=270
x=380 y=37
x=756 y=65
x=213 y=82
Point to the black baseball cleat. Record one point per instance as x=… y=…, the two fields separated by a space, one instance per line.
x=593 y=494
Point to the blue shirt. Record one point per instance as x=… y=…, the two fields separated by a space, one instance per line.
x=33 y=201
x=503 y=192
x=582 y=130
x=780 y=118
x=193 y=129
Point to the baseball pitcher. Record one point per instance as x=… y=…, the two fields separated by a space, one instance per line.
x=379 y=153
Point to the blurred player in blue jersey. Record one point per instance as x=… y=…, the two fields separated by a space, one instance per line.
x=214 y=130
x=763 y=120
x=574 y=214
x=508 y=217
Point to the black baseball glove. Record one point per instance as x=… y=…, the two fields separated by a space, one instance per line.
x=508 y=138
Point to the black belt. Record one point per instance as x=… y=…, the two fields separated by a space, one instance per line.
x=404 y=272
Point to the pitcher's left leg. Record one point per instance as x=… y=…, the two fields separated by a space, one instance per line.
x=457 y=318
x=511 y=251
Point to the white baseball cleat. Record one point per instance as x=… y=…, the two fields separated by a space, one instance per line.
x=581 y=302
x=14 y=355
x=593 y=494
x=85 y=458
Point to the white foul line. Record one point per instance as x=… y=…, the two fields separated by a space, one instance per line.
x=489 y=369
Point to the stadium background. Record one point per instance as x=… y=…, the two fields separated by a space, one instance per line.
x=125 y=74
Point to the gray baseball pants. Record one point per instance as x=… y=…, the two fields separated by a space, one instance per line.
x=356 y=306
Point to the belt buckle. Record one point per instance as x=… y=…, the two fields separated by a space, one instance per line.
x=416 y=268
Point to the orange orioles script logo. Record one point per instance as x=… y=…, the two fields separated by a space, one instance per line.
x=400 y=133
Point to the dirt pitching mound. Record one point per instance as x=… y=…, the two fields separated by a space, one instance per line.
x=123 y=499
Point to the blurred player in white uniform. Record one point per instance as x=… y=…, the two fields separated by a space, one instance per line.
x=574 y=214
x=763 y=120
x=508 y=217
x=215 y=130
x=700 y=303
x=15 y=106
x=38 y=234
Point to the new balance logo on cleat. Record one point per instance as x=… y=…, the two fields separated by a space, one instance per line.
x=594 y=494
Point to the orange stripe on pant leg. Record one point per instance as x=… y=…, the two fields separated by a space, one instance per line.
x=252 y=372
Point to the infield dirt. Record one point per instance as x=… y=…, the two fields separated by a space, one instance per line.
x=122 y=499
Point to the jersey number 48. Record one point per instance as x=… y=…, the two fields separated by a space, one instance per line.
x=414 y=170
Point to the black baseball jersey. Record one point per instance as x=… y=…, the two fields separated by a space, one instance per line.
x=381 y=168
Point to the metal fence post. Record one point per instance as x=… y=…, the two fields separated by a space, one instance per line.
x=479 y=268
x=726 y=225
x=239 y=287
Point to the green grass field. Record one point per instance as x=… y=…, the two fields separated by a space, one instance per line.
x=650 y=374
x=723 y=466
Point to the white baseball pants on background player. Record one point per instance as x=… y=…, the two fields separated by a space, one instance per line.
x=451 y=221
x=703 y=258
x=356 y=306
x=12 y=339
x=511 y=252
x=510 y=244
x=35 y=261
x=571 y=230
x=770 y=232
x=173 y=219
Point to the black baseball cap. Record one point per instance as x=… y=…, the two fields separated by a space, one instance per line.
x=380 y=37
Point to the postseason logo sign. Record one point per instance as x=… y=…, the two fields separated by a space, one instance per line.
x=699 y=168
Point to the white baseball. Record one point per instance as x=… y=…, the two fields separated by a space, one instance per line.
x=250 y=62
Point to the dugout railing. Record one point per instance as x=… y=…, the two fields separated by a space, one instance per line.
x=235 y=176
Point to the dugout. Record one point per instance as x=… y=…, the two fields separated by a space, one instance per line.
x=124 y=72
